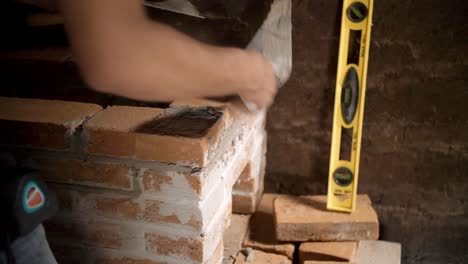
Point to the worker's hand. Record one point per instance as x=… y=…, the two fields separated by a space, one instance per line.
x=261 y=87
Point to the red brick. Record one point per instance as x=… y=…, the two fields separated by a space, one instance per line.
x=246 y=181
x=89 y=233
x=235 y=234
x=260 y=235
x=171 y=149
x=217 y=256
x=245 y=204
x=261 y=257
x=113 y=132
x=165 y=246
x=118 y=207
x=327 y=251
x=199 y=103
x=41 y=123
x=305 y=218
x=114 y=176
x=232 y=109
x=153 y=182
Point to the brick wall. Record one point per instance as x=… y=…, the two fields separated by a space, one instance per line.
x=415 y=143
x=140 y=184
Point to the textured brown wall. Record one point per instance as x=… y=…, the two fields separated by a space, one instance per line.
x=415 y=144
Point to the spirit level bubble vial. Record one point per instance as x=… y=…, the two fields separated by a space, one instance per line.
x=349 y=103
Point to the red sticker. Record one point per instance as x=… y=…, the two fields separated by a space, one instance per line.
x=33 y=197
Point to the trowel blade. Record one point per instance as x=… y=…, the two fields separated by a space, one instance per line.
x=178 y=6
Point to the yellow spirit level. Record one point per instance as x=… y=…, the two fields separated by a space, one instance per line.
x=349 y=104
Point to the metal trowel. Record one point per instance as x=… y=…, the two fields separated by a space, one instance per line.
x=273 y=39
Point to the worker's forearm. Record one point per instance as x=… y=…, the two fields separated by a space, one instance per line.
x=120 y=51
x=167 y=65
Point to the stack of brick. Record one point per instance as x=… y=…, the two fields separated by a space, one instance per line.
x=325 y=237
x=137 y=184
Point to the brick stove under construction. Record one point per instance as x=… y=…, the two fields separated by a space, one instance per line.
x=140 y=184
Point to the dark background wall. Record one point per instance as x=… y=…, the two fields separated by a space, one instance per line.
x=414 y=162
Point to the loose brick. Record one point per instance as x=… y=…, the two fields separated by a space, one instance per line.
x=260 y=234
x=172 y=135
x=327 y=251
x=41 y=123
x=166 y=246
x=261 y=257
x=370 y=252
x=108 y=175
x=305 y=218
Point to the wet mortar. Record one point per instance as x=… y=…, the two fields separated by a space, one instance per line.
x=190 y=122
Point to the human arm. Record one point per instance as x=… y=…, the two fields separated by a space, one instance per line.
x=120 y=51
